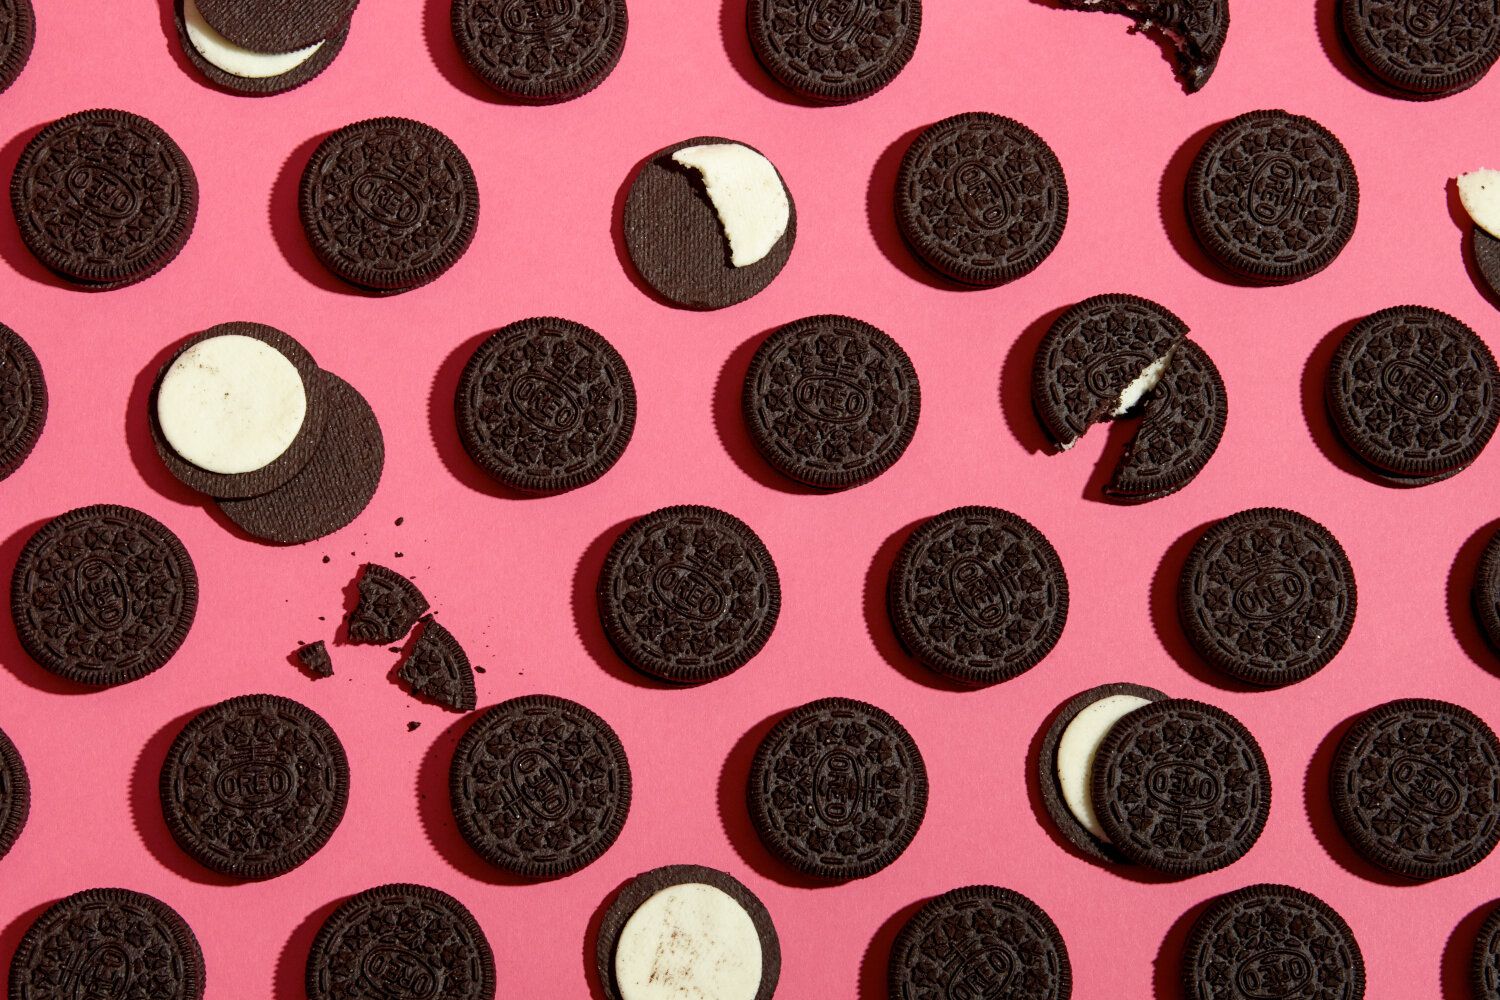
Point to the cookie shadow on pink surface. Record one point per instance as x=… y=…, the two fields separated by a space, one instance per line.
x=878 y=618
x=1167 y=622
x=12 y=933
x=1460 y=598
x=1166 y=968
x=591 y=971
x=585 y=601
x=145 y=809
x=1465 y=226
x=880 y=213
x=286 y=223
x=1320 y=815
x=729 y=422
x=437 y=33
x=1458 y=954
x=1015 y=384
x=734 y=30
x=1315 y=408
x=1172 y=204
x=734 y=813
x=443 y=424
x=875 y=966
x=12 y=247
x=12 y=653
x=291 y=963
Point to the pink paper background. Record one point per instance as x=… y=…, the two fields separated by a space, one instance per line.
x=513 y=577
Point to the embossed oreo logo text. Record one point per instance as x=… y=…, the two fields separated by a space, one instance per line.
x=395 y=973
x=840 y=789
x=1106 y=374
x=984 y=976
x=1415 y=388
x=388 y=201
x=537 y=785
x=1277 y=191
x=985 y=197
x=830 y=396
x=535 y=17
x=1425 y=18
x=1425 y=786
x=102 y=192
x=689 y=592
x=104 y=974
x=545 y=403
x=1181 y=785
x=830 y=21
x=982 y=594
x=1276 y=974
x=99 y=596
x=1270 y=592
x=252 y=782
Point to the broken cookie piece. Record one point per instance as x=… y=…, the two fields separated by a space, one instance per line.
x=389 y=606
x=314 y=658
x=1182 y=422
x=1479 y=191
x=1196 y=29
x=438 y=669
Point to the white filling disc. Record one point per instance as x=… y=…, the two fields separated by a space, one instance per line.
x=688 y=942
x=1480 y=193
x=231 y=404
x=746 y=192
x=234 y=59
x=1077 y=749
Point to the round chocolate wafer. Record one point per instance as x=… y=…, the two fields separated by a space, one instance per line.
x=17 y=34
x=313 y=64
x=541 y=53
x=834 y=53
x=277 y=25
x=1182 y=423
x=1423 y=50
x=15 y=794
x=23 y=401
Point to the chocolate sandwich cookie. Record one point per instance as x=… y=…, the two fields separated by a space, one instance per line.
x=104 y=198
x=1182 y=423
x=254 y=786
x=389 y=607
x=540 y=786
x=23 y=401
x=401 y=941
x=389 y=203
x=238 y=410
x=1267 y=596
x=1266 y=941
x=438 y=669
x=833 y=53
x=1272 y=197
x=1487 y=257
x=1411 y=391
x=831 y=401
x=1414 y=785
x=1484 y=969
x=981 y=199
x=314 y=657
x=1422 y=49
x=1194 y=29
x=1065 y=762
x=688 y=594
x=277 y=25
x=108 y=943
x=1486 y=592
x=332 y=489
x=978 y=594
x=980 y=941
x=17 y=33
x=241 y=70
x=545 y=405
x=837 y=789
x=686 y=930
x=1181 y=787
x=541 y=51
x=682 y=241
x=103 y=595
x=15 y=794
x=1098 y=360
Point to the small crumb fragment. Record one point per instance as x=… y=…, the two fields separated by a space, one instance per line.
x=412 y=727
x=479 y=670
x=400 y=521
x=314 y=657
x=326 y=559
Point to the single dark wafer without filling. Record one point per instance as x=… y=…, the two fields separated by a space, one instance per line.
x=277 y=25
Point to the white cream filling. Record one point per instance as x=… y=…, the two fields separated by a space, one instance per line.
x=1144 y=383
x=747 y=193
x=688 y=942
x=1076 y=752
x=234 y=59
x=1479 y=191
x=231 y=404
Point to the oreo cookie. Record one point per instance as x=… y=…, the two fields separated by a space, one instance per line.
x=981 y=199
x=389 y=203
x=837 y=789
x=241 y=70
x=1414 y=784
x=545 y=405
x=15 y=794
x=834 y=53
x=1181 y=787
x=389 y=607
x=104 y=198
x=696 y=927
x=315 y=659
x=1411 y=391
x=688 y=594
x=1422 y=50
x=438 y=669
x=540 y=786
x=1272 y=197
x=103 y=595
x=254 y=786
x=23 y=401
x=1182 y=423
x=682 y=241
x=1195 y=30
x=1272 y=941
x=980 y=941
x=1267 y=596
x=1487 y=257
x=17 y=33
x=277 y=25
x=103 y=941
x=831 y=401
x=401 y=940
x=1484 y=969
x=541 y=52
x=978 y=594
x=335 y=485
x=1065 y=763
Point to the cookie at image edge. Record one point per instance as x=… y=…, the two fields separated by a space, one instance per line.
x=833 y=53
x=23 y=401
x=17 y=35
x=541 y=53
x=15 y=794
x=259 y=86
x=1484 y=968
x=1422 y=51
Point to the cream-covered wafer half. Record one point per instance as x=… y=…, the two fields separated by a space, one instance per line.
x=234 y=59
x=1479 y=190
x=231 y=404
x=689 y=942
x=1076 y=752
x=747 y=193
